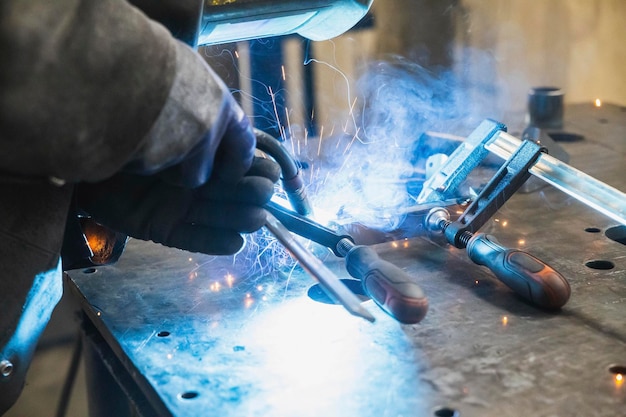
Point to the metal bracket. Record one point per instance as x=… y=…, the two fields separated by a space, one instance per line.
x=462 y=161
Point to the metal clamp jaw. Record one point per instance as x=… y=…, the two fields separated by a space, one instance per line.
x=509 y=178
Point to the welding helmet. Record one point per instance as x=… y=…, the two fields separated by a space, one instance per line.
x=204 y=22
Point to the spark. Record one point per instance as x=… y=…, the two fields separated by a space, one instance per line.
x=282 y=68
x=352 y=141
x=598 y=102
x=505 y=320
x=288 y=123
x=273 y=96
x=350 y=113
x=237 y=54
x=319 y=144
x=230 y=279
x=346 y=80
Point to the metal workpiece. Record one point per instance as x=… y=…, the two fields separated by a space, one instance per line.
x=460 y=164
x=492 y=137
x=210 y=335
x=545 y=107
x=596 y=194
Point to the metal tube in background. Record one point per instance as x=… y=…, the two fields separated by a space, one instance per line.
x=327 y=279
x=588 y=190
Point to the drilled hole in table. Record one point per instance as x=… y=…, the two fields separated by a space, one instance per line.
x=565 y=137
x=89 y=270
x=600 y=264
x=163 y=333
x=592 y=230
x=446 y=412
x=617 y=233
x=317 y=293
x=617 y=369
x=189 y=395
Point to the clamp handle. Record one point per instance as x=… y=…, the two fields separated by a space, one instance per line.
x=525 y=274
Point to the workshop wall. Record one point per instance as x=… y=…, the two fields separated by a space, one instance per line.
x=575 y=44
x=499 y=49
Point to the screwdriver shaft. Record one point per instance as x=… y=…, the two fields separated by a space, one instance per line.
x=327 y=279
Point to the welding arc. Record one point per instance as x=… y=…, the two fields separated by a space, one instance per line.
x=329 y=282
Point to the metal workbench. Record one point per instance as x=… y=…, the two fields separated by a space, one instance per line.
x=194 y=335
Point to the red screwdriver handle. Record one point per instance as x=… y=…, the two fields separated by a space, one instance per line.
x=525 y=274
x=389 y=286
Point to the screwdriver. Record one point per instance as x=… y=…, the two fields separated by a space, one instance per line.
x=525 y=274
x=333 y=287
x=392 y=289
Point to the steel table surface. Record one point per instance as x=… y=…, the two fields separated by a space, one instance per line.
x=201 y=336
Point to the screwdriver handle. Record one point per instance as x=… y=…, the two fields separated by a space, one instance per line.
x=525 y=274
x=389 y=286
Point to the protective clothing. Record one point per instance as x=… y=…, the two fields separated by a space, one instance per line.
x=93 y=92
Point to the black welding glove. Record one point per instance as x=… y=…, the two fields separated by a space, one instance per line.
x=207 y=219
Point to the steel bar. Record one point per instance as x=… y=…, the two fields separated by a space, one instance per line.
x=590 y=191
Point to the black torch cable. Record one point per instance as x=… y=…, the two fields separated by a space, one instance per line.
x=292 y=180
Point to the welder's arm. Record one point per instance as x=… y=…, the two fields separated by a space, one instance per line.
x=89 y=89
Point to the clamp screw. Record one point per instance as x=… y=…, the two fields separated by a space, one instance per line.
x=6 y=368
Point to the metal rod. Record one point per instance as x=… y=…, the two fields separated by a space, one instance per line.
x=327 y=279
x=588 y=190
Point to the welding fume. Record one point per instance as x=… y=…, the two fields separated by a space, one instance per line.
x=107 y=112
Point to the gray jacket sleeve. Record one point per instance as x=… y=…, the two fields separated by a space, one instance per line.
x=81 y=84
x=85 y=87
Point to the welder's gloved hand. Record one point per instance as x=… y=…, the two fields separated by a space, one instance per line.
x=207 y=219
x=200 y=133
